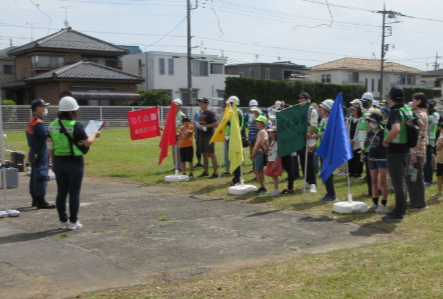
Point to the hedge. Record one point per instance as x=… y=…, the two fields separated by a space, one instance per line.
x=266 y=92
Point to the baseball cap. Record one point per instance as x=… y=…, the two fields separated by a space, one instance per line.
x=385 y=111
x=375 y=117
x=272 y=129
x=367 y=96
x=383 y=102
x=261 y=118
x=204 y=100
x=255 y=109
x=38 y=103
x=305 y=95
x=397 y=93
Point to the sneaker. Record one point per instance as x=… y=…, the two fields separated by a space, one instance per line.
x=191 y=175
x=199 y=164
x=213 y=176
x=76 y=225
x=62 y=225
x=274 y=193
x=263 y=191
x=226 y=173
x=307 y=186
x=286 y=191
x=437 y=195
x=330 y=199
x=313 y=188
x=381 y=209
x=392 y=217
x=260 y=190
x=235 y=182
x=322 y=198
x=203 y=175
x=373 y=207
x=184 y=173
x=418 y=208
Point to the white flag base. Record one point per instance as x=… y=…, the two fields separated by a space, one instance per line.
x=241 y=189
x=177 y=178
x=10 y=213
x=349 y=207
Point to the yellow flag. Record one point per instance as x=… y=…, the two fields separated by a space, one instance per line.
x=235 y=143
x=219 y=134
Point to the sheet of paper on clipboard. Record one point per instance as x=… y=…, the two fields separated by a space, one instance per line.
x=93 y=126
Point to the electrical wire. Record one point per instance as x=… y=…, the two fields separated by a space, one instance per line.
x=166 y=33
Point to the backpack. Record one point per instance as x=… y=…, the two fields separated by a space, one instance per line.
x=412 y=130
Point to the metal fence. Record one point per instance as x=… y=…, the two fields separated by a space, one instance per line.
x=15 y=117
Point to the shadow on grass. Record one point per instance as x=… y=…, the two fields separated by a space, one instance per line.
x=377 y=227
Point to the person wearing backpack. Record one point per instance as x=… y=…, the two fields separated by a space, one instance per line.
x=416 y=187
x=395 y=140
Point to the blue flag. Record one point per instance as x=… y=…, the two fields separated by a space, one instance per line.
x=335 y=148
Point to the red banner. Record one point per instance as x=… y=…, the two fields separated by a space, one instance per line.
x=144 y=123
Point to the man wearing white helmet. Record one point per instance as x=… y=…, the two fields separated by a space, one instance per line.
x=325 y=109
x=67 y=143
x=367 y=101
x=179 y=115
x=249 y=118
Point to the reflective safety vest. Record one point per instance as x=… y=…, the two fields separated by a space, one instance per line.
x=62 y=146
x=433 y=134
x=402 y=137
x=228 y=125
x=321 y=128
x=363 y=124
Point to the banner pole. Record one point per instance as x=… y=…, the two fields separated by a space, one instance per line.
x=305 y=172
x=220 y=167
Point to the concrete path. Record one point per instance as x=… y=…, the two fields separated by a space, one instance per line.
x=123 y=243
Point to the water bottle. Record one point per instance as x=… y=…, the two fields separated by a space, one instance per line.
x=414 y=174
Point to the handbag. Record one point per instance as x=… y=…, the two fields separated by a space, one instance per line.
x=84 y=149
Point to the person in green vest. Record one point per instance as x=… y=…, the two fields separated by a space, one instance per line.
x=67 y=156
x=430 y=148
x=398 y=153
x=366 y=101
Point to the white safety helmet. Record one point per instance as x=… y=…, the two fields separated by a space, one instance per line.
x=178 y=102
x=327 y=105
x=277 y=105
x=68 y=104
x=231 y=100
x=253 y=103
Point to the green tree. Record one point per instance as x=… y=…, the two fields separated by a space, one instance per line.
x=152 y=97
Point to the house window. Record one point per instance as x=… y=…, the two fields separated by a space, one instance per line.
x=250 y=73
x=161 y=62
x=9 y=70
x=50 y=62
x=268 y=74
x=372 y=85
x=24 y=73
x=241 y=74
x=406 y=79
x=326 y=78
x=106 y=61
x=200 y=68
x=353 y=77
x=170 y=66
x=216 y=68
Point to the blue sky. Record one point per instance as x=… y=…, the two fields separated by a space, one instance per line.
x=307 y=32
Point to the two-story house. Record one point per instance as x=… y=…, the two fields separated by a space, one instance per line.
x=7 y=71
x=284 y=70
x=169 y=71
x=366 y=72
x=69 y=60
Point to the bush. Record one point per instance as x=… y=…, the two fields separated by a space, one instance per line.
x=152 y=97
x=8 y=102
x=266 y=92
x=429 y=92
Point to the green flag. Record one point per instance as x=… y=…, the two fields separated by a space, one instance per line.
x=292 y=126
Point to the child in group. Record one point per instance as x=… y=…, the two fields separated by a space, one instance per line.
x=439 y=159
x=377 y=161
x=273 y=168
x=259 y=150
x=185 y=134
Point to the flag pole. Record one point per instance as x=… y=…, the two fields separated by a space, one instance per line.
x=220 y=167
x=305 y=172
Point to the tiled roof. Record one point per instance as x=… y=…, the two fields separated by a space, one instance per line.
x=88 y=70
x=437 y=73
x=364 y=64
x=15 y=83
x=4 y=52
x=71 y=40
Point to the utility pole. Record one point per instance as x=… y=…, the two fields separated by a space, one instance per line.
x=391 y=15
x=189 y=57
x=436 y=65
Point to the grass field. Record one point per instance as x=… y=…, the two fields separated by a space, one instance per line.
x=411 y=267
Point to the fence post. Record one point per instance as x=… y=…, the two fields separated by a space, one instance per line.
x=101 y=113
